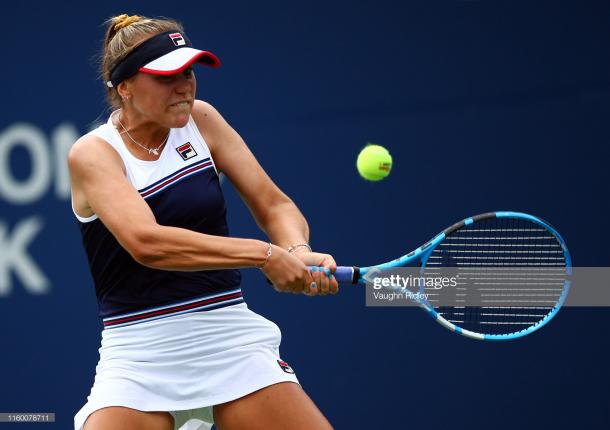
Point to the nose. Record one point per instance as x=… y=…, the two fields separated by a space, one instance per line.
x=184 y=85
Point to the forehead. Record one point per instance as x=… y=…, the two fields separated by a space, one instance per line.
x=151 y=77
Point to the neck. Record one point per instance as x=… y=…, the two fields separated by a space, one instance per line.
x=143 y=131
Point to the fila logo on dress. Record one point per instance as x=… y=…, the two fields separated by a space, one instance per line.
x=177 y=39
x=285 y=367
x=186 y=151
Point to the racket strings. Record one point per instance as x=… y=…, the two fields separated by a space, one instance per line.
x=513 y=269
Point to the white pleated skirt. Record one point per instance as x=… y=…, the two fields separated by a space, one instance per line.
x=185 y=364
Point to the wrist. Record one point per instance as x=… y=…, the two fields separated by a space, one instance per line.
x=268 y=252
x=297 y=248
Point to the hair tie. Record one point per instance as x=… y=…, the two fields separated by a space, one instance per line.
x=125 y=20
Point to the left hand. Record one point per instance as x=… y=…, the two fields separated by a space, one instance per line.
x=323 y=266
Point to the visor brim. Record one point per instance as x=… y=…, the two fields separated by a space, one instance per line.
x=178 y=60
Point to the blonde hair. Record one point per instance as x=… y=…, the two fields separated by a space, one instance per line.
x=125 y=32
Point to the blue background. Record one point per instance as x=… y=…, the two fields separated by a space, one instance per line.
x=484 y=105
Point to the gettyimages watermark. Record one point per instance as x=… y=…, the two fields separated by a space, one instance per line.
x=398 y=287
x=489 y=286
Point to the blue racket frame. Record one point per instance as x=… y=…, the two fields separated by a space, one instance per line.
x=355 y=275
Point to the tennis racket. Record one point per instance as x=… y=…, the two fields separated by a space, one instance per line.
x=514 y=260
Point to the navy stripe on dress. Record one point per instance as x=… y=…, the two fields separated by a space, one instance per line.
x=175 y=177
x=199 y=304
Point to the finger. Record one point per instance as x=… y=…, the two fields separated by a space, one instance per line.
x=334 y=286
x=329 y=263
x=323 y=281
x=310 y=286
x=297 y=286
x=325 y=276
x=329 y=270
x=316 y=275
x=312 y=290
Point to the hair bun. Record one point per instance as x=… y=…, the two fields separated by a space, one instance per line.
x=124 y=20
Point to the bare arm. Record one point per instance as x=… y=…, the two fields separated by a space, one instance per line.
x=274 y=212
x=99 y=180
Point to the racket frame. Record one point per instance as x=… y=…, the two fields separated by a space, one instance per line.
x=356 y=275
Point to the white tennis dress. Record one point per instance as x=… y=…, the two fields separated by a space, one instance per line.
x=174 y=341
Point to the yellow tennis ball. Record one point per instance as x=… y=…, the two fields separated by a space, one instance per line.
x=374 y=162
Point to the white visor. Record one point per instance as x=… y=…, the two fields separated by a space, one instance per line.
x=178 y=60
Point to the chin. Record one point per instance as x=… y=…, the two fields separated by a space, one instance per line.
x=181 y=119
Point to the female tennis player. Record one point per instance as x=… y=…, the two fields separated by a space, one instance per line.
x=180 y=348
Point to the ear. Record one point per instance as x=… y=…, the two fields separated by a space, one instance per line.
x=123 y=91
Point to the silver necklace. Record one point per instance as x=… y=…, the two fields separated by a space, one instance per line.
x=154 y=151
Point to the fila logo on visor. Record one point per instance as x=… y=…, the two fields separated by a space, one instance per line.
x=186 y=151
x=177 y=39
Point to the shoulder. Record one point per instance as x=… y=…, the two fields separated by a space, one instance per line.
x=203 y=111
x=211 y=124
x=206 y=117
x=91 y=151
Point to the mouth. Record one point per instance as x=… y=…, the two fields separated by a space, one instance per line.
x=182 y=104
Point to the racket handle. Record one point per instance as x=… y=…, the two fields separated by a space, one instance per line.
x=347 y=275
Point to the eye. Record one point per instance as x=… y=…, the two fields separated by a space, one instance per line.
x=188 y=72
x=167 y=79
x=164 y=78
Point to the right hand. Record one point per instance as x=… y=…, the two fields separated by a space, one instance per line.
x=287 y=273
